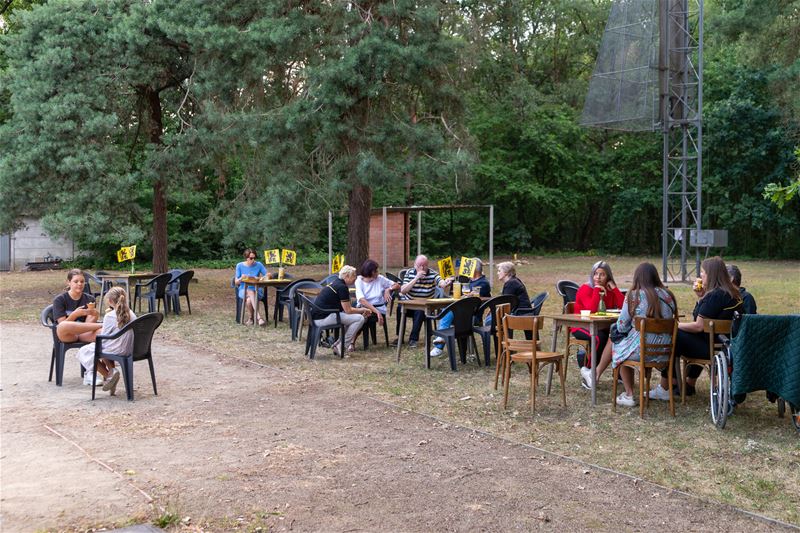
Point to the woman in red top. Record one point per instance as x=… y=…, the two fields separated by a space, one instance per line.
x=601 y=285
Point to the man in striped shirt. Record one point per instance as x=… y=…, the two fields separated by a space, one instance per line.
x=420 y=282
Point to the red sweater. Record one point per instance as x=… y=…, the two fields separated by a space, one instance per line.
x=589 y=298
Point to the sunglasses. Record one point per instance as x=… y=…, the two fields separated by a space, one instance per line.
x=252 y=257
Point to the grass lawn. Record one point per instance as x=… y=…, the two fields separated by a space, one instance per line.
x=754 y=463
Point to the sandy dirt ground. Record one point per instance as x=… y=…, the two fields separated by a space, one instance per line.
x=237 y=446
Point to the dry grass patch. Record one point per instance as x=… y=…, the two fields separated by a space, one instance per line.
x=754 y=463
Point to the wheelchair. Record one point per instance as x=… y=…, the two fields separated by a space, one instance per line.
x=722 y=402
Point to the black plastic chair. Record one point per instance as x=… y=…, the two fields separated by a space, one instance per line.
x=394 y=279
x=487 y=333
x=327 y=280
x=460 y=332
x=284 y=299
x=315 y=332
x=534 y=309
x=179 y=286
x=568 y=290
x=143 y=328
x=296 y=305
x=156 y=291
x=59 y=348
x=370 y=329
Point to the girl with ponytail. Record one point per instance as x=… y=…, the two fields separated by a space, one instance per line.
x=117 y=317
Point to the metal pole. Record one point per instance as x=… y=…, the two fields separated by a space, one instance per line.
x=699 y=128
x=663 y=77
x=419 y=233
x=491 y=246
x=330 y=241
x=385 y=265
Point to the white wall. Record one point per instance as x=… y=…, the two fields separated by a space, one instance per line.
x=32 y=244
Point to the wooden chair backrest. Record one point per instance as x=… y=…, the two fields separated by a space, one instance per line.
x=523 y=324
x=657 y=326
x=715 y=327
x=569 y=308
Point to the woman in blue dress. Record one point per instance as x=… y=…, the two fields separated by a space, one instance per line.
x=254 y=269
x=647 y=298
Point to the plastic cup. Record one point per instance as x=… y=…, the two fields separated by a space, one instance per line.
x=456 y=289
x=280 y=273
x=585 y=313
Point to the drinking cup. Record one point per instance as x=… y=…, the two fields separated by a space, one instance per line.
x=585 y=313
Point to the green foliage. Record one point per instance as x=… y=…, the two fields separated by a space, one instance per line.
x=272 y=113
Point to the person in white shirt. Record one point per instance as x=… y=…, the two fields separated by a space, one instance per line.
x=373 y=290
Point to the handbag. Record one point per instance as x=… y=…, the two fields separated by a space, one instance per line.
x=616 y=335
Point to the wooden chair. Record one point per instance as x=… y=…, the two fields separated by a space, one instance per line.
x=569 y=309
x=647 y=351
x=713 y=327
x=525 y=351
x=500 y=311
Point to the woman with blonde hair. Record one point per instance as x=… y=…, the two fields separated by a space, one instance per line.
x=117 y=317
x=337 y=296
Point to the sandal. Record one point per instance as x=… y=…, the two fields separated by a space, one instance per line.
x=261 y=322
x=351 y=348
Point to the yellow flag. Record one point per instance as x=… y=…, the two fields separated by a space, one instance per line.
x=446 y=269
x=126 y=253
x=272 y=257
x=337 y=263
x=289 y=257
x=467 y=266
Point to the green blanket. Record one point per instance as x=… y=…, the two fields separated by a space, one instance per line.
x=766 y=356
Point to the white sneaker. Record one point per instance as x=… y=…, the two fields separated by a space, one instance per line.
x=438 y=340
x=626 y=400
x=436 y=352
x=87 y=379
x=659 y=393
x=586 y=378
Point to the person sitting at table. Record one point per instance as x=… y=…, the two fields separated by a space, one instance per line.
x=718 y=299
x=420 y=282
x=507 y=273
x=649 y=298
x=477 y=283
x=248 y=293
x=600 y=286
x=373 y=290
x=336 y=295
x=75 y=315
x=117 y=317
x=748 y=301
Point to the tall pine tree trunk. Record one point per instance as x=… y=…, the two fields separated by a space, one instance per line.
x=159 y=187
x=360 y=203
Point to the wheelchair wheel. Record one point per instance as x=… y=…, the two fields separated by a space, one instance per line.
x=720 y=389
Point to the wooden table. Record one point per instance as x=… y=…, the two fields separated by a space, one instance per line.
x=125 y=279
x=267 y=283
x=428 y=306
x=593 y=324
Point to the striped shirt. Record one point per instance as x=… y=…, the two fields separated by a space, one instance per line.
x=425 y=287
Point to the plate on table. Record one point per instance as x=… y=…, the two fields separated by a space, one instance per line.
x=606 y=314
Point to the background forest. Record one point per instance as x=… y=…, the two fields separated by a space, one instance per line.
x=232 y=124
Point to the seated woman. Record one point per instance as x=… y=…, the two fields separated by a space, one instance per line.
x=373 y=290
x=248 y=293
x=600 y=286
x=74 y=312
x=647 y=298
x=718 y=299
x=116 y=318
x=512 y=285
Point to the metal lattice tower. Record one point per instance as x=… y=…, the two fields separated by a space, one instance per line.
x=648 y=77
x=681 y=122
